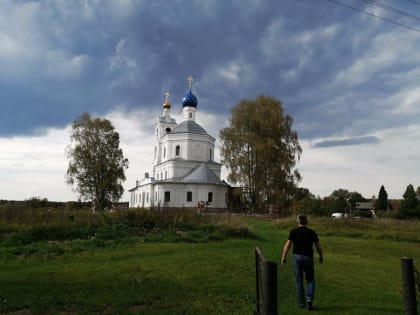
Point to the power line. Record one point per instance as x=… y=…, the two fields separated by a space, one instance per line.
x=376 y=16
x=392 y=9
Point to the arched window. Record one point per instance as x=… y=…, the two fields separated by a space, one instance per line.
x=177 y=150
x=211 y=155
x=164 y=152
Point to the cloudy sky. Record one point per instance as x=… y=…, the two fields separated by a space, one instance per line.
x=347 y=71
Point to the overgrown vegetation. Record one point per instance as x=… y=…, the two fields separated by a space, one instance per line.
x=48 y=232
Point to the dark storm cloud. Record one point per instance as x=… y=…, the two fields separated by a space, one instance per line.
x=347 y=142
x=62 y=58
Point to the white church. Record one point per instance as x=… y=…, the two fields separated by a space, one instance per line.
x=185 y=174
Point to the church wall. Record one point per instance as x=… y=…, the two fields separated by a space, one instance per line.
x=192 y=147
x=141 y=197
x=178 y=195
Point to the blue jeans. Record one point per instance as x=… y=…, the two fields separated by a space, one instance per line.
x=304 y=265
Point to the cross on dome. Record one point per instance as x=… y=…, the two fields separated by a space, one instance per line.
x=166 y=103
x=190 y=81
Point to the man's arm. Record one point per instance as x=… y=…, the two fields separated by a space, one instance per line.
x=319 y=250
x=285 y=251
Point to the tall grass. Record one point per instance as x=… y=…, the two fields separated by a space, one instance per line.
x=48 y=232
x=362 y=228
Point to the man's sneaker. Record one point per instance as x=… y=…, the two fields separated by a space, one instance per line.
x=309 y=305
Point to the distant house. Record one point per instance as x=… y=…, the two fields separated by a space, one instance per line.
x=364 y=209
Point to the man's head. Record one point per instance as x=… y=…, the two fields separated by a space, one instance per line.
x=302 y=219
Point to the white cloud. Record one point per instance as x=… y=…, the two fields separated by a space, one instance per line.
x=388 y=52
x=409 y=102
x=35 y=166
x=364 y=168
x=61 y=65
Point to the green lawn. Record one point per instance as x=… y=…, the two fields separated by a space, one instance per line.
x=360 y=275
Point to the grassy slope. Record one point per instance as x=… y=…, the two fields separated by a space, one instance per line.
x=361 y=275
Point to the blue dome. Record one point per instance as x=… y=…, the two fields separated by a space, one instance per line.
x=189 y=100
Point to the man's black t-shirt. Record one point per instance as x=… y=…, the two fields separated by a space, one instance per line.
x=303 y=239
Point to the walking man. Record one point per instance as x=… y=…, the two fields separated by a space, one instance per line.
x=303 y=239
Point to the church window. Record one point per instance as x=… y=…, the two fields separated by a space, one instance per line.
x=177 y=150
x=166 y=174
x=147 y=197
x=167 y=196
x=189 y=196
x=168 y=130
x=164 y=152
x=210 y=197
x=190 y=115
x=211 y=154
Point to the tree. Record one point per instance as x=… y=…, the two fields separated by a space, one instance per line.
x=345 y=201
x=409 y=204
x=260 y=150
x=340 y=200
x=382 y=202
x=97 y=164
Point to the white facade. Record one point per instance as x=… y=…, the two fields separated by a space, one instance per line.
x=184 y=171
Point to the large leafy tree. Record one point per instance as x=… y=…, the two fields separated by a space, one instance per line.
x=261 y=150
x=96 y=167
x=344 y=201
x=382 y=201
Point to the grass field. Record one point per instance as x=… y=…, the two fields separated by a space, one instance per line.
x=194 y=265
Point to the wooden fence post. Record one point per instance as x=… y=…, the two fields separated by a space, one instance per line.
x=270 y=288
x=266 y=285
x=409 y=288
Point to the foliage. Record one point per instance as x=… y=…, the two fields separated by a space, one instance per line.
x=410 y=207
x=260 y=149
x=382 y=201
x=97 y=163
x=341 y=200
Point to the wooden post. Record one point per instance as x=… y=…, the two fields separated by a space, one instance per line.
x=266 y=285
x=408 y=284
x=270 y=288
x=257 y=281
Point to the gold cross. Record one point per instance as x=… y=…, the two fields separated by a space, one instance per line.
x=190 y=80
x=167 y=97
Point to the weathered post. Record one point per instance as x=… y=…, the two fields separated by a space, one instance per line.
x=266 y=285
x=270 y=288
x=408 y=284
x=257 y=280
